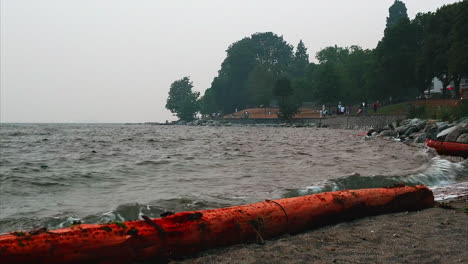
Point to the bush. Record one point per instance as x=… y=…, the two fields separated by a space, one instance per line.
x=445 y=113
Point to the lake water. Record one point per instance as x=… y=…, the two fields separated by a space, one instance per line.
x=54 y=174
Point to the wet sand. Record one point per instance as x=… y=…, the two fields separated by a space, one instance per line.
x=435 y=235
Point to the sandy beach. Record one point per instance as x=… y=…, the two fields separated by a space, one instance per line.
x=435 y=235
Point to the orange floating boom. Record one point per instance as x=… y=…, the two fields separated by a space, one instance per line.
x=186 y=233
x=449 y=148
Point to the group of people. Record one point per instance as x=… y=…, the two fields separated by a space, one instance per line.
x=346 y=110
x=341 y=109
x=364 y=105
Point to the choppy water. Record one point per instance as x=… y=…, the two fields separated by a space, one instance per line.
x=54 y=174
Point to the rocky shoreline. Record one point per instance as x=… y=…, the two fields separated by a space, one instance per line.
x=418 y=130
x=407 y=131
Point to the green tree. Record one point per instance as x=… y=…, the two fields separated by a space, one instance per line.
x=304 y=86
x=260 y=85
x=182 y=100
x=424 y=69
x=458 y=52
x=397 y=13
x=301 y=60
x=267 y=51
x=328 y=83
x=288 y=106
x=356 y=66
x=331 y=77
x=332 y=54
x=396 y=57
x=207 y=103
x=436 y=45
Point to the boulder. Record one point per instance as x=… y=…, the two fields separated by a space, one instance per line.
x=445 y=132
x=463 y=138
x=369 y=133
x=457 y=131
x=388 y=127
x=430 y=128
x=442 y=127
x=411 y=130
x=387 y=133
x=402 y=130
x=405 y=122
x=420 y=138
x=418 y=123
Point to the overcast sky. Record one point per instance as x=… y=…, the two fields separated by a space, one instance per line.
x=113 y=61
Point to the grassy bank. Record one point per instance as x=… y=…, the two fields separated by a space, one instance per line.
x=449 y=111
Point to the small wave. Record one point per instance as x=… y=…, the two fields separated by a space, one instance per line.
x=134 y=211
x=48 y=184
x=123 y=212
x=153 y=162
x=16 y=134
x=441 y=172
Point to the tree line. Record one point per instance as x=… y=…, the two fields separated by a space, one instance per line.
x=401 y=67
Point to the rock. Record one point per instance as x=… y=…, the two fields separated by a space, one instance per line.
x=457 y=131
x=369 y=133
x=443 y=134
x=420 y=138
x=441 y=126
x=388 y=127
x=418 y=123
x=430 y=128
x=431 y=131
x=411 y=130
x=402 y=130
x=463 y=138
x=387 y=133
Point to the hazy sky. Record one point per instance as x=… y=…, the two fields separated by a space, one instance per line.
x=113 y=61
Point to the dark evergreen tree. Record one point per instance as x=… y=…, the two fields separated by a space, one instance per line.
x=301 y=60
x=397 y=13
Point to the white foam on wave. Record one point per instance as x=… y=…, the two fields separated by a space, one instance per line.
x=449 y=192
x=448 y=179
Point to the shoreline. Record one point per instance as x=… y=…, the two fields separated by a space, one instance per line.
x=434 y=235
